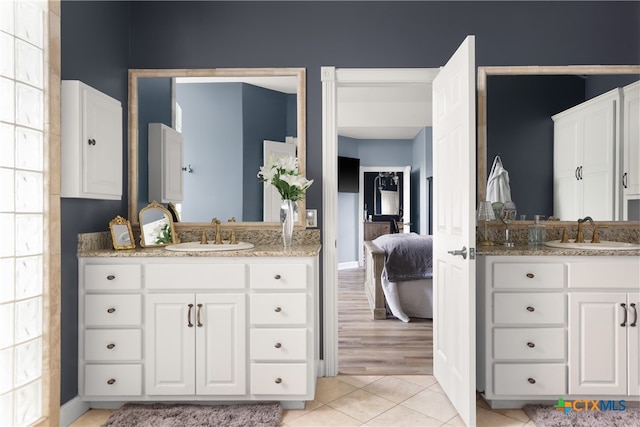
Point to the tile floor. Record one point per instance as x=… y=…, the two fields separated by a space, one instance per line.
x=401 y=400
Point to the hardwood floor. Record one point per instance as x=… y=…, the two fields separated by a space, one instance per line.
x=378 y=347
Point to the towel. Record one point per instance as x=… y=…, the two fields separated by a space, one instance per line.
x=498 y=188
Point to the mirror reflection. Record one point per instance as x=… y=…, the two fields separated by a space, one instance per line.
x=121 y=234
x=156 y=226
x=515 y=109
x=224 y=118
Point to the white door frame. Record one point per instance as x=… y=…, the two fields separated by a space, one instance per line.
x=332 y=78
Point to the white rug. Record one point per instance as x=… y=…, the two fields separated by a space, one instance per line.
x=548 y=416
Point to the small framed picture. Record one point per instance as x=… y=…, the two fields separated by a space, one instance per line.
x=312 y=218
x=121 y=233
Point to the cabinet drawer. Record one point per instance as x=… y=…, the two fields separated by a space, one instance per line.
x=195 y=276
x=528 y=308
x=112 y=310
x=278 y=378
x=278 y=276
x=112 y=344
x=278 y=344
x=605 y=275
x=521 y=343
x=113 y=380
x=529 y=379
x=528 y=275
x=278 y=309
x=112 y=277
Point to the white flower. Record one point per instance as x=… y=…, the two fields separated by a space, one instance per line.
x=283 y=174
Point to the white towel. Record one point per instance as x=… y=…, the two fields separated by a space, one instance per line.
x=498 y=188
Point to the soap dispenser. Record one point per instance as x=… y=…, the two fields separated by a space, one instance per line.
x=537 y=232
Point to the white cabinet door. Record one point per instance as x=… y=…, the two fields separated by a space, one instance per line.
x=170 y=344
x=221 y=344
x=166 y=153
x=631 y=149
x=566 y=198
x=633 y=339
x=597 y=344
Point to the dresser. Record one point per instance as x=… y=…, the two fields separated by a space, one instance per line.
x=189 y=328
x=551 y=326
x=376 y=229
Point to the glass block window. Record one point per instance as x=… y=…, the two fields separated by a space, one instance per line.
x=22 y=68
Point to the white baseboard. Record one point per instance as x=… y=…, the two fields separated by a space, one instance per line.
x=72 y=410
x=350 y=264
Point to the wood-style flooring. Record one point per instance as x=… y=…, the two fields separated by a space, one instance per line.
x=378 y=347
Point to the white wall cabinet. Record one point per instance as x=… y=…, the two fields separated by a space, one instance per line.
x=554 y=326
x=91 y=152
x=165 y=163
x=586 y=140
x=198 y=328
x=631 y=150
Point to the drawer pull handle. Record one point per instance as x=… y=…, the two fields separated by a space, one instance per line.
x=624 y=320
x=189 y=324
x=111 y=381
x=111 y=310
x=277 y=277
x=531 y=309
x=278 y=380
x=635 y=315
x=278 y=309
x=111 y=346
x=199 y=320
x=531 y=381
x=530 y=275
x=278 y=345
x=530 y=345
x=111 y=277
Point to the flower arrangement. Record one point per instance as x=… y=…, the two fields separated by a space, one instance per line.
x=283 y=174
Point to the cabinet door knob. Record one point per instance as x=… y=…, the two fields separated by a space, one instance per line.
x=277 y=277
x=198 y=316
x=530 y=345
x=189 y=324
x=278 y=380
x=278 y=345
x=92 y=141
x=530 y=275
x=111 y=277
x=531 y=309
x=624 y=320
x=111 y=381
x=111 y=346
x=277 y=309
x=531 y=381
x=635 y=315
x=111 y=310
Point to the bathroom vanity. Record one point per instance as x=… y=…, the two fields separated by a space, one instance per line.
x=553 y=326
x=156 y=325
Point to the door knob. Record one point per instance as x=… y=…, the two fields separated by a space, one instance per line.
x=462 y=252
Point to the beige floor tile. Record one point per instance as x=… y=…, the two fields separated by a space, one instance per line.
x=359 y=380
x=290 y=414
x=437 y=388
x=92 y=418
x=422 y=380
x=401 y=416
x=393 y=389
x=361 y=405
x=432 y=404
x=324 y=416
x=517 y=414
x=485 y=418
x=330 y=388
x=455 y=422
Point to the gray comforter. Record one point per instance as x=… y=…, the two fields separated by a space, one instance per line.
x=408 y=256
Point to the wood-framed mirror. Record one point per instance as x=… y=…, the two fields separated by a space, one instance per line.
x=156 y=226
x=121 y=233
x=501 y=81
x=158 y=87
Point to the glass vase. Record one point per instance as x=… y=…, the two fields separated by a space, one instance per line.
x=287 y=218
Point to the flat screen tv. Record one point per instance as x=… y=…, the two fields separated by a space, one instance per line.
x=348 y=175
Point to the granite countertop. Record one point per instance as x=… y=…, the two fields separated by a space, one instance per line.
x=256 y=251
x=548 y=251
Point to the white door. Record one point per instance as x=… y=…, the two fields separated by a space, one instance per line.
x=220 y=344
x=271 y=206
x=454 y=148
x=173 y=152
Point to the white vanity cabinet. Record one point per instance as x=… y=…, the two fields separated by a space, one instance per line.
x=204 y=328
x=551 y=326
x=165 y=162
x=91 y=138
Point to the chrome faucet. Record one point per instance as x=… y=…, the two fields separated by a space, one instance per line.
x=216 y=223
x=580 y=235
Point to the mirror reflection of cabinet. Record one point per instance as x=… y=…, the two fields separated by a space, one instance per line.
x=631 y=150
x=165 y=156
x=91 y=152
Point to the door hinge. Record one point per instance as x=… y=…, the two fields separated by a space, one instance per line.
x=472 y=253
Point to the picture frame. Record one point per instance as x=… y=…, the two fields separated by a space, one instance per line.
x=121 y=233
x=311 y=218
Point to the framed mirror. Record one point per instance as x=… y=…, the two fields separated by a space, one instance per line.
x=121 y=234
x=221 y=180
x=156 y=226
x=508 y=97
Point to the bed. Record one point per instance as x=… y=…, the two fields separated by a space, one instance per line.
x=398 y=276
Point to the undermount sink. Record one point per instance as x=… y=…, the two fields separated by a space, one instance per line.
x=209 y=247
x=603 y=245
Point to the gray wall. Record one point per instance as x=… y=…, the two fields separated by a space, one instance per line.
x=100 y=40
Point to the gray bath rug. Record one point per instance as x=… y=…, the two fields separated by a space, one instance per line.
x=548 y=416
x=183 y=415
